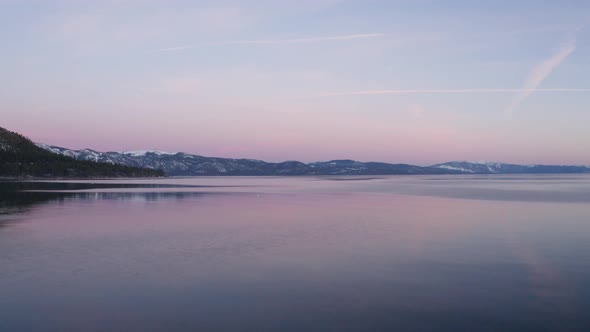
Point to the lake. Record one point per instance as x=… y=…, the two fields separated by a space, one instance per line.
x=394 y=253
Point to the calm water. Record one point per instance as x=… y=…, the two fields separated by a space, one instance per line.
x=429 y=253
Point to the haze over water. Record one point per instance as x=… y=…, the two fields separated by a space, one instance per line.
x=424 y=253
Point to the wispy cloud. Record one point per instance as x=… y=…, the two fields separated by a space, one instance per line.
x=442 y=91
x=176 y=48
x=305 y=40
x=539 y=73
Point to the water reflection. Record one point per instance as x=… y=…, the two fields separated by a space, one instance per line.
x=301 y=254
x=19 y=197
x=8 y=186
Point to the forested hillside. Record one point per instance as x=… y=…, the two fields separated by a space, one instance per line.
x=20 y=157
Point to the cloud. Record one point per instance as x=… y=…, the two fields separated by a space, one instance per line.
x=306 y=40
x=116 y=25
x=539 y=73
x=527 y=91
x=176 y=48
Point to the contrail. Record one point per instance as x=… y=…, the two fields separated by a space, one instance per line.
x=538 y=75
x=443 y=91
x=305 y=40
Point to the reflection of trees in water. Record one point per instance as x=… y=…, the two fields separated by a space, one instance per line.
x=145 y=196
x=20 y=195
x=15 y=199
x=15 y=202
x=21 y=186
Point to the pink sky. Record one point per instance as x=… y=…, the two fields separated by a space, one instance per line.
x=308 y=81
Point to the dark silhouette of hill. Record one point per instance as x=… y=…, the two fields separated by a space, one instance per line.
x=20 y=157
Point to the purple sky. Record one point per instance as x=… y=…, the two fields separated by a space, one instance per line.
x=395 y=81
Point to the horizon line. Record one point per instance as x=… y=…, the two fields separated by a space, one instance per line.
x=144 y=151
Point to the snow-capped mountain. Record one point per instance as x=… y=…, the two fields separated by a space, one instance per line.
x=486 y=167
x=20 y=157
x=178 y=163
x=347 y=167
x=184 y=164
x=122 y=157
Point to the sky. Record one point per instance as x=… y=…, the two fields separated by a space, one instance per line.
x=415 y=81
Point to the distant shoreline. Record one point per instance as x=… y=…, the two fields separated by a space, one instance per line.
x=335 y=177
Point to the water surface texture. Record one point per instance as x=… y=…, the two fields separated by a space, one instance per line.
x=405 y=253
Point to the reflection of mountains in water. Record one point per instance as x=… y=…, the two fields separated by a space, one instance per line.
x=36 y=186
x=18 y=197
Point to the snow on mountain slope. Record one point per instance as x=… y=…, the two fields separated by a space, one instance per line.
x=142 y=153
x=500 y=168
x=454 y=168
x=178 y=163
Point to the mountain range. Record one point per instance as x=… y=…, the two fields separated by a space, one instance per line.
x=184 y=164
x=20 y=157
